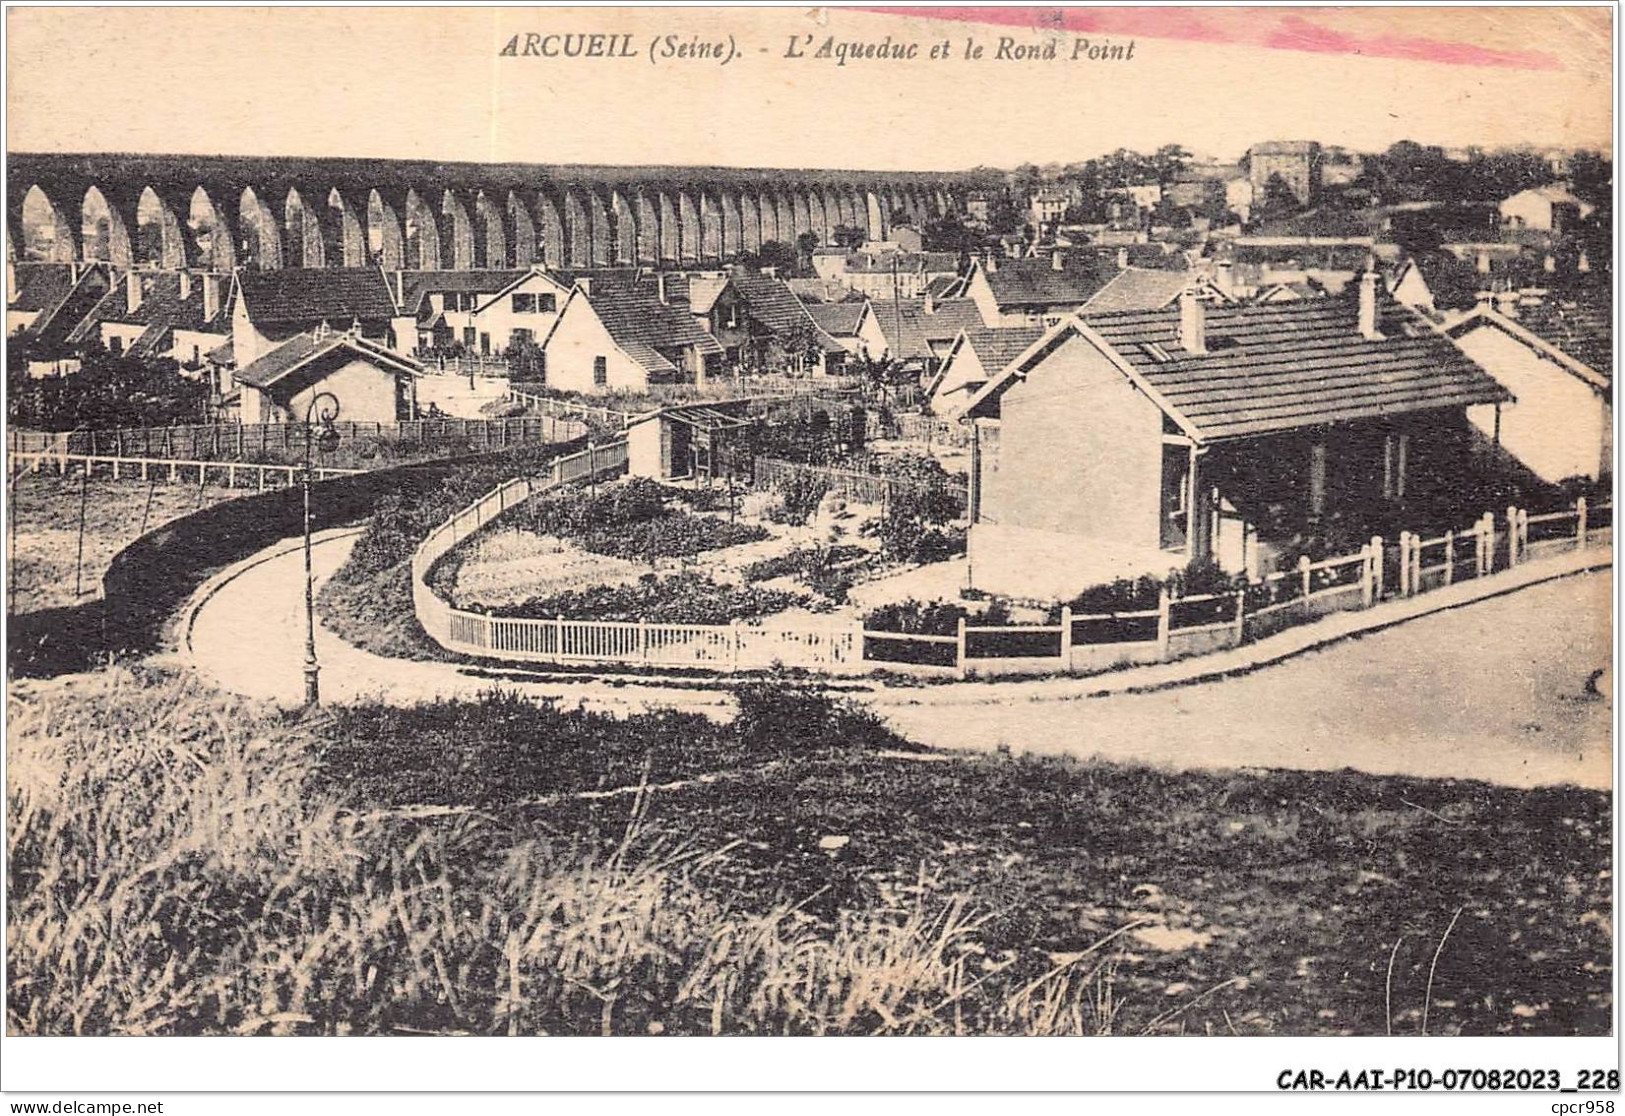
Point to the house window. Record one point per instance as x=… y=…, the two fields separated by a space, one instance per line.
x=1396 y=450
x=470 y=335
x=485 y=344
x=461 y=300
x=600 y=371
x=116 y=345
x=521 y=337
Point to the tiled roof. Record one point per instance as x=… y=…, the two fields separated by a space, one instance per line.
x=910 y=331
x=776 y=307
x=61 y=318
x=642 y=325
x=1138 y=288
x=162 y=309
x=838 y=319
x=820 y=290
x=945 y=286
x=304 y=350
x=1276 y=367
x=336 y=295
x=1283 y=366
x=1038 y=282
x=1581 y=325
x=42 y=285
x=416 y=286
x=907 y=263
x=225 y=354
x=996 y=348
x=703 y=292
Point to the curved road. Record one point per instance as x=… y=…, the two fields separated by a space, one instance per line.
x=1497 y=690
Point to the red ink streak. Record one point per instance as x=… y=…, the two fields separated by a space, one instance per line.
x=1234 y=26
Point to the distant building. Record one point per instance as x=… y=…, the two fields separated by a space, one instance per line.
x=887 y=274
x=520 y=313
x=977 y=205
x=920 y=331
x=1047 y=206
x=270 y=307
x=443 y=302
x=1039 y=291
x=1296 y=161
x=1546 y=208
x=853 y=324
x=165 y=314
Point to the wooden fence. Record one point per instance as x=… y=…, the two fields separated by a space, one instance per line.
x=849 y=484
x=929 y=429
x=224 y=473
x=1079 y=643
x=284 y=442
x=570 y=408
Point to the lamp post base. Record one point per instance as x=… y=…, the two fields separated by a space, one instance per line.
x=312 y=691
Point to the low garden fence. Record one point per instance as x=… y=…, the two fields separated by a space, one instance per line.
x=929 y=429
x=570 y=408
x=224 y=473
x=284 y=442
x=856 y=487
x=1170 y=627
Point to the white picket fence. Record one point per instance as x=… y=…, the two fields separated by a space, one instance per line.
x=1080 y=643
x=173 y=470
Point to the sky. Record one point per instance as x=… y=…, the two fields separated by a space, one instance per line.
x=431 y=83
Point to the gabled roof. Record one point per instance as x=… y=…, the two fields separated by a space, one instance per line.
x=638 y=322
x=336 y=295
x=1037 y=282
x=945 y=286
x=162 y=310
x=417 y=286
x=1138 y=288
x=776 y=307
x=306 y=353
x=1274 y=367
x=838 y=319
x=820 y=290
x=41 y=285
x=703 y=292
x=1575 y=332
x=59 y=319
x=910 y=331
x=994 y=349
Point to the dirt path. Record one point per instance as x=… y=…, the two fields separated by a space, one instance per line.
x=1495 y=690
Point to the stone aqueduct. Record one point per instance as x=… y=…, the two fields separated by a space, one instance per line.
x=224 y=212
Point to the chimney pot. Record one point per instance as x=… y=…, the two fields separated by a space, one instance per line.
x=930 y=303
x=1368 y=307
x=1057 y=260
x=186 y=284
x=132 y=292
x=1192 y=322
x=1122 y=259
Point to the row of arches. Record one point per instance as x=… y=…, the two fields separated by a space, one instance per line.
x=300 y=225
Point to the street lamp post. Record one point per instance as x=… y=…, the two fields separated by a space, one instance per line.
x=323 y=409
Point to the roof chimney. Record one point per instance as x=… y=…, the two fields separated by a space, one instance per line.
x=211 y=296
x=1122 y=259
x=186 y=284
x=584 y=284
x=1224 y=278
x=1368 y=307
x=660 y=289
x=1057 y=260
x=132 y=292
x=930 y=303
x=1192 y=322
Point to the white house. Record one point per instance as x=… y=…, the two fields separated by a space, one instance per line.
x=623 y=335
x=977 y=355
x=371 y=383
x=853 y=324
x=444 y=304
x=1555 y=356
x=1548 y=208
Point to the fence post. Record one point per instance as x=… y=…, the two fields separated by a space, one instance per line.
x=1404 y=563
x=1066 y=638
x=1512 y=536
x=959 y=649
x=733 y=655
x=1375 y=581
x=1162 y=624
x=1580 y=523
x=1303 y=573
x=1449 y=557
x=1241 y=615
x=643 y=640
x=558 y=635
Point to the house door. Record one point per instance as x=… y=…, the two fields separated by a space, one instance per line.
x=681 y=463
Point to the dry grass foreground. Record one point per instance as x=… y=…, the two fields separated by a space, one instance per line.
x=184 y=863
x=45 y=510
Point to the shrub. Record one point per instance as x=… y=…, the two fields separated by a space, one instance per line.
x=671 y=536
x=913 y=617
x=685 y=598
x=801 y=493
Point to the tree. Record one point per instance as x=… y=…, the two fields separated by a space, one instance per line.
x=949 y=234
x=846 y=236
x=1003 y=218
x=772 y=254
x=1278 y=197
x=806 y=244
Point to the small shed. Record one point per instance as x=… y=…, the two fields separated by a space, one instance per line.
x=688 y=440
